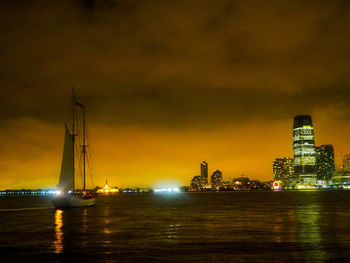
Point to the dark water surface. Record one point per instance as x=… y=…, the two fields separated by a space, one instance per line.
x=230 y=227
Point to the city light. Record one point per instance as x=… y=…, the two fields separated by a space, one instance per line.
x=107 y=189
x=167 y=190
x=31 y=192
x=276 y=186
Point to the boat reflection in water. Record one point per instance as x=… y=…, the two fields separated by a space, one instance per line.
x=58 y=243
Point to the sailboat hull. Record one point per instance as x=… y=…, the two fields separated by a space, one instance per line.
x=72 y=201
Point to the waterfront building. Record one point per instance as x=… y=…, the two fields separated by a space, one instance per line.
x=283 y=171
x=346 y=164
x=304 y=150
x=107 y=189
x=325 y=164
x=239 y=183
x=342 y=178
x=204 y=173
x=196 y=183
x=216 y=180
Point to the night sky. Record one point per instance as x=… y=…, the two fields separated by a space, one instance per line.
x=168 y=84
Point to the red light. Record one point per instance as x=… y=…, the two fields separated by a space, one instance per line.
x=276 y=184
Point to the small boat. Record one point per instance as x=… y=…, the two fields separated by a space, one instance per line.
x=68 y=195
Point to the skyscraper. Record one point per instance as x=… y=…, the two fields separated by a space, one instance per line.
x=325 y=162
x=216 y=179
x=304 y=150
x=283 y=170
x=204 y=173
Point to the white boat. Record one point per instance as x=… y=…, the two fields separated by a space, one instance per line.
x=68 y=200
x=69 y=196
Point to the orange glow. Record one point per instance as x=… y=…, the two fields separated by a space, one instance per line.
x=58 y=243
x=135 y=156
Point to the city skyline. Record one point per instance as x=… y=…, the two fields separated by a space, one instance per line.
x=216 y=82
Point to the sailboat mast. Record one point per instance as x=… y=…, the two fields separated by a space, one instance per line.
x=73 y=138
x=84 y=145
x=84 y=149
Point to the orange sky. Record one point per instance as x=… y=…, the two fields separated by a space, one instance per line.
x=134 y=156
x=169 y=84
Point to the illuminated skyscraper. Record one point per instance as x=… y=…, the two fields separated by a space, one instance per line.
x=325 y=162
x=283 y=170
x=204 y=173
x=216 y=179
x=304 y=150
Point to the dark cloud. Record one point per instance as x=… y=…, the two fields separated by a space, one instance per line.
x=178 y=106
x=162 y=60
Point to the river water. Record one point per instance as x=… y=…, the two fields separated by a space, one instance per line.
x=310 y=226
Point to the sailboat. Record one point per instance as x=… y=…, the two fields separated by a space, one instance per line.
x=68 y=196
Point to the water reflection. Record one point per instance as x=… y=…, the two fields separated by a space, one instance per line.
x=310 y=237
x=172 y=233
x=277 y=229
x=85 y=218
x=84 y=227
x=107 y=222
x=106 y=231
x=308 y=217
x=294 y=226
x=58 y=243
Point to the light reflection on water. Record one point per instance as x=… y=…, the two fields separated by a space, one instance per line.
x=172 y=233
x=84 y=220
x=255 y=226
x=310 y=237
x=106 y=222
x=106 y=239
x=58 y=242
x=277 y=229
x=308 y=217
x=84 y=227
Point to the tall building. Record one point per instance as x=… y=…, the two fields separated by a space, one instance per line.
x=283 y=170
x=196 y=183
x=204 y=173
x=304 y=150
x=346 y=163
x=325 y=162
x=216 y=179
